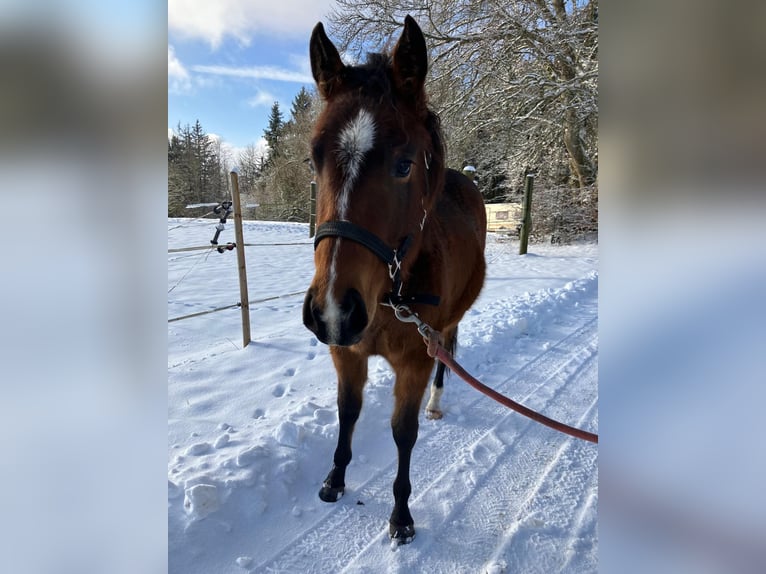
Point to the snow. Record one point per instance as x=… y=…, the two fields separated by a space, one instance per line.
x=251 y=431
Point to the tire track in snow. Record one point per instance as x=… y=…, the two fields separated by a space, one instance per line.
x=356 y=535
x=545 y=533
x=581 y=553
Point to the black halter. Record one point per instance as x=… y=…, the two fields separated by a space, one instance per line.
x=392 y=257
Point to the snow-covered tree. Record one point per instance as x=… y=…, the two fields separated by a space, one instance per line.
x=525 y=72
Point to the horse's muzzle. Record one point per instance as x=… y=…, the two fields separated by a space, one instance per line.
x=336 y=324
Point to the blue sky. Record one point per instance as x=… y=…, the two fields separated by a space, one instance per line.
x=229 y=60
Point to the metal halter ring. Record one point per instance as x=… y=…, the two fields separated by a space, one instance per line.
x=410 y=317
x=424 y=329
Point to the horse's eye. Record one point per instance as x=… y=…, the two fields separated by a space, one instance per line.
x=403 y=167
x=317 y=155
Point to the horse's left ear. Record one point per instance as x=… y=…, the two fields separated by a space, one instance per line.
x=410 y=60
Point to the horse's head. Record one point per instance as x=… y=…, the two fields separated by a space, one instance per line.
x=378 y=161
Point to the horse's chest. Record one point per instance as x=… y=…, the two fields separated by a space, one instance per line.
x=386 y=336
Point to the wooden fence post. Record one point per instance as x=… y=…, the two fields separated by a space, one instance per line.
x=243 y=296
x=526 y=214
x=312 y=208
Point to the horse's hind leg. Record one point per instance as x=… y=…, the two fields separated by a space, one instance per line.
x=433 y=408
x=352 y=375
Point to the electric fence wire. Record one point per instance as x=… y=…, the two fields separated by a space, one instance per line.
x=212 y=248
x=195 y=221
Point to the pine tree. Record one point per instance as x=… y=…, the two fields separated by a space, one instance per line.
x=177 y=191
x=284 y=182
x=205 y=164
x=274 y=133
x=302 y=104
x=196 y=171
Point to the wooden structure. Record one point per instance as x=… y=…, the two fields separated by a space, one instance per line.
x=503 y=217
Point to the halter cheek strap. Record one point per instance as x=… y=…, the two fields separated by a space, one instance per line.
x=358 y=234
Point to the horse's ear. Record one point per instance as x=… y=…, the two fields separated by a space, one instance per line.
x=410 y=60
x=326 y=65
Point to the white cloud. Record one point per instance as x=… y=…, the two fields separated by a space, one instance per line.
x=261 y=146
x=257 y=72
x=232 y=152
x=261 y=149
x=301 y=63
x=229 y=150
x=264 y=99
x=179 y=80
x=244 y=19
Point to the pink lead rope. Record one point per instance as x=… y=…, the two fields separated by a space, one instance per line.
x=436 y=350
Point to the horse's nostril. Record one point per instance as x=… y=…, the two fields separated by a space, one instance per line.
x=311 y=316
x=336 y=324
x=354 y=315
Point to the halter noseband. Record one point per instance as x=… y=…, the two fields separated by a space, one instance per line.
x=392 y=257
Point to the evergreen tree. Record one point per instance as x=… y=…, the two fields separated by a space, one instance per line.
x=274 y=133
x=196 y=171
x=177 y=189
x=205 y=164
x=284 y=182
x=302 y=104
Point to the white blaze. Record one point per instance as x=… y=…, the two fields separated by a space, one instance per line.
x=331 y=315
x=354 y=141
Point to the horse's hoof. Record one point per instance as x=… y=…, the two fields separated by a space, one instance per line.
x=401 y=534
x=434 y=414
x=330 y=494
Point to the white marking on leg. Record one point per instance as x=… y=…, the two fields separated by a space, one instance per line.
x=355 y=140
x=433 y=408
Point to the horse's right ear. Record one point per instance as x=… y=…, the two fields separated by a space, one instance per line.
x=410 y=60
x=326 y=65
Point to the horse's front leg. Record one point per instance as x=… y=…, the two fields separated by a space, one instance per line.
x=412 y=376
x=352 y=375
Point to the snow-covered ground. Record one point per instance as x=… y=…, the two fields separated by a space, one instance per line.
x=251 y=432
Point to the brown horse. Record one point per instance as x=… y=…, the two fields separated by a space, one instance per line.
x=395 y=227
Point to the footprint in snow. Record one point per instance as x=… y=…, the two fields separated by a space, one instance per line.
x=198 y=449
x=221 y=441
x=278 y=391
